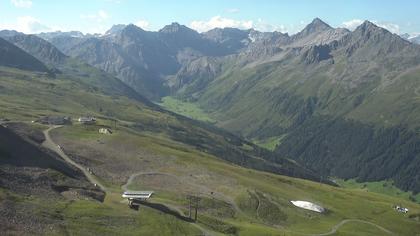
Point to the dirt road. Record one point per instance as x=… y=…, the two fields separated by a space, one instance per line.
x=337 y=226
x=50 y=144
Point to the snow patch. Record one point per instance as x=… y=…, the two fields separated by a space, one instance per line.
x=308 y=206
x=251 y=38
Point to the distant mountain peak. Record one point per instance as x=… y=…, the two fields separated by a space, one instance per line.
x=369 y=24
x=115 y=29
x=317 y=32
x=368 y=28
x=175 y=28
x=175 y=24
x=317 y=20
x=131 y=30
x=9 y=33
x=132 y=27
x=316 y=25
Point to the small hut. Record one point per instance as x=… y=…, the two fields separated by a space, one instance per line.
x=105 y=131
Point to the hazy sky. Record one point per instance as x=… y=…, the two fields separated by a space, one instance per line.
x=96 y=16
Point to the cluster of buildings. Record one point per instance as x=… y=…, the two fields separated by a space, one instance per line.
x=66 y=120
x=54 y=120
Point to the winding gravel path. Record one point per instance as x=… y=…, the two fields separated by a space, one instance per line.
x=337 y=227
x=133 y=176
x=50 y=144
x=130 y=180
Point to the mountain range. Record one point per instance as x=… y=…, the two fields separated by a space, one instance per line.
x=265 y=85
x=64 y=66
x=335 y=103
x=38 y=82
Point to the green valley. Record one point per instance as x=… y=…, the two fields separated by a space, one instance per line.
x=187 y=109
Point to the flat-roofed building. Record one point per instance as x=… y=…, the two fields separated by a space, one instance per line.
x=87 y=120
x=136 y=197
x=139 y=195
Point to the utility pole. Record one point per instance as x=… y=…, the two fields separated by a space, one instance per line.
x=196 y=207
x=193 y=202
x=189 y=209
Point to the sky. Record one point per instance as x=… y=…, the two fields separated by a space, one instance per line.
x=97 y=16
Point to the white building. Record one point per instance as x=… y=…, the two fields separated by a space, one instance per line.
x=87 y=120
x=105 y=131
x=135 y=198
x=137 y=195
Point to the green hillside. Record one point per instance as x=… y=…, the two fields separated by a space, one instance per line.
x=234 y=200
x=348 y=108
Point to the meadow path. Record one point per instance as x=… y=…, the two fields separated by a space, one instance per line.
x=337 y=226
x=50 y=144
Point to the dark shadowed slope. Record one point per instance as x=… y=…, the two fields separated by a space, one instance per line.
x=36 y=46
x=12 y=56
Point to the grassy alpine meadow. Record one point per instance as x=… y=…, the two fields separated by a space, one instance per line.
x=193 y=111
x=240 y=201
x=88 y=217
x=269 y=143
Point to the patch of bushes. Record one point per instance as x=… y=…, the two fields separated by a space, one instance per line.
x=414 y=216
x=257 y=205
x=270 y=212
x=216 y=208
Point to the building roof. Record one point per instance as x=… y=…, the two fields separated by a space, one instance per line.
x=86 y=118
x=137 y=194
x=308 y=206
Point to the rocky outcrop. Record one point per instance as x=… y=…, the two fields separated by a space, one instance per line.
x=316 y=53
